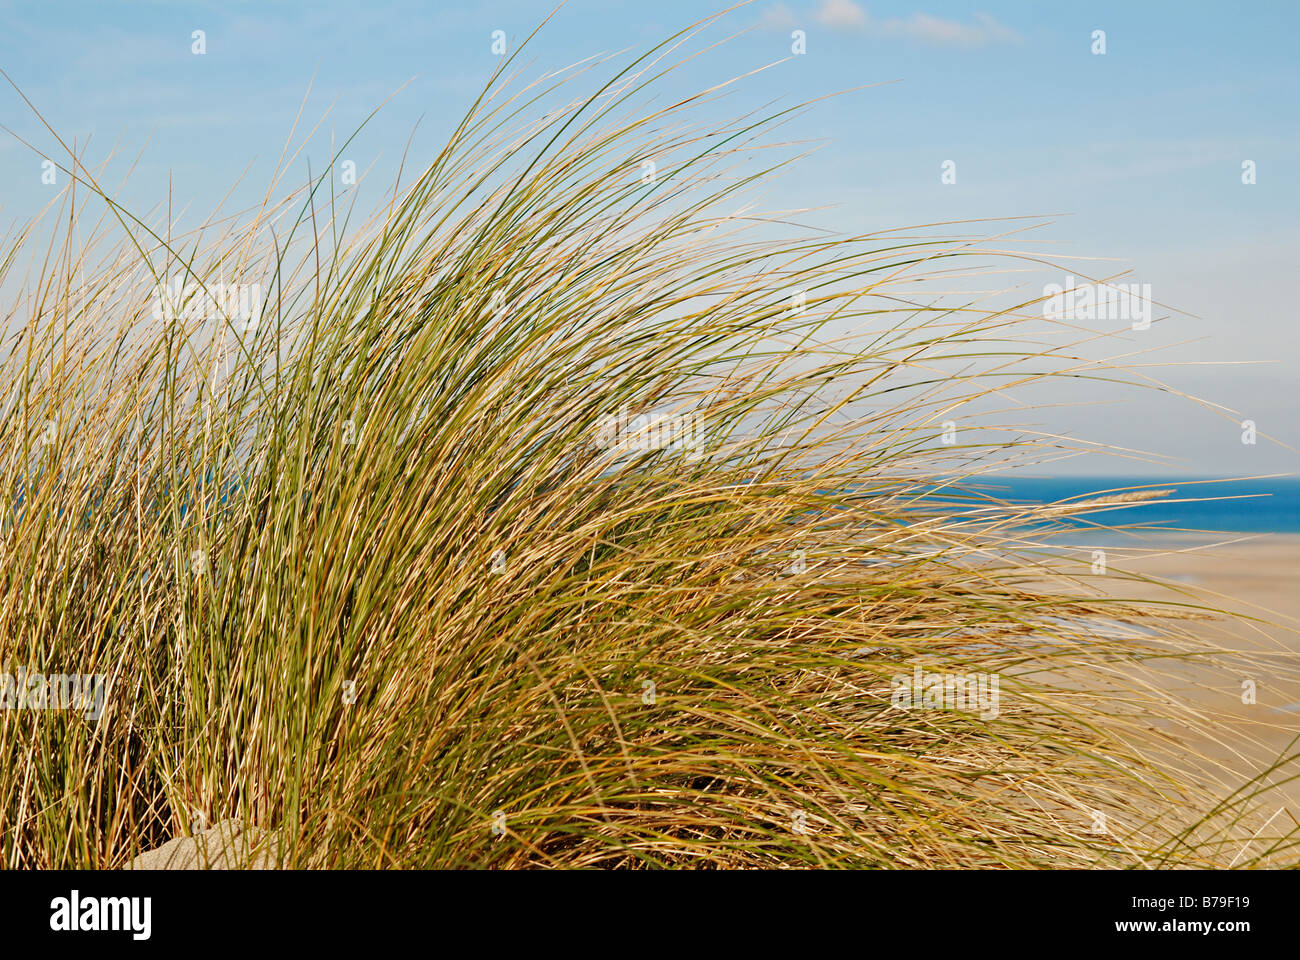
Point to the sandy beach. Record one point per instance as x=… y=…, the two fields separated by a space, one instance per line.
x=1253 y=576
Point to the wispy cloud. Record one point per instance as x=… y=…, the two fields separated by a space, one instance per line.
x=985 y=31
x=850 y=16
x=841 y=14
x=777 y=17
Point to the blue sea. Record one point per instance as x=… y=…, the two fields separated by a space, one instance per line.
x=1239 y=506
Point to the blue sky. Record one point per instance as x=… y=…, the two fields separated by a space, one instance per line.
x=1140 y=149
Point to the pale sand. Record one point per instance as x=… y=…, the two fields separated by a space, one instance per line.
x=225 y=846
x=1256 y=576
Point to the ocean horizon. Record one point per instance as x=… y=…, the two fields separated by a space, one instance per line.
x=1269 y=505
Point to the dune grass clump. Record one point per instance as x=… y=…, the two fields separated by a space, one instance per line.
x=556 y=515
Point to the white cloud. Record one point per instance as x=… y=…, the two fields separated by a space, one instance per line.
x=929 y=29
x=844 y=14
x=777 y=17
x=850 y=15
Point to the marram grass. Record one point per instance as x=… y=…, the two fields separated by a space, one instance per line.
x=407 y=574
